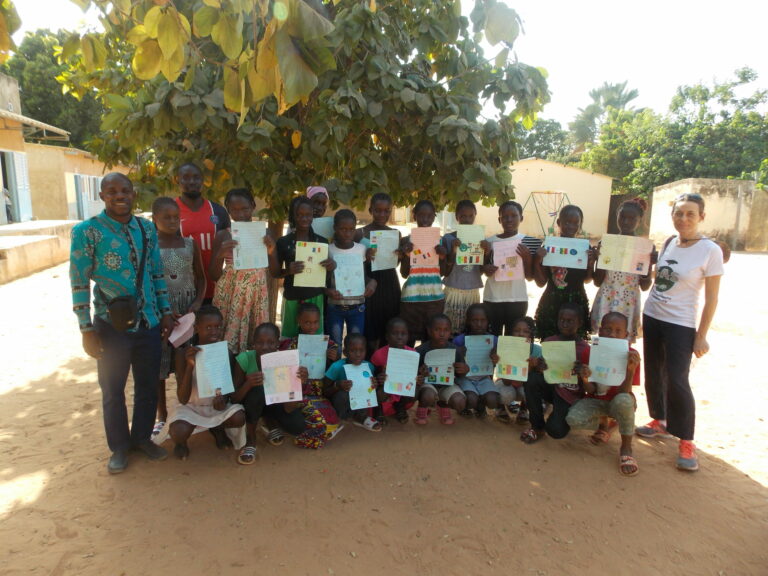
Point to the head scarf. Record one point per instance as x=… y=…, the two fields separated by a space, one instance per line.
x=315 y=190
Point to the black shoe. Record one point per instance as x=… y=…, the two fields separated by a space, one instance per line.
x=152 y=450
x=117 y=462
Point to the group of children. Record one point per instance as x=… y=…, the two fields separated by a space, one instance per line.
x=439 y=305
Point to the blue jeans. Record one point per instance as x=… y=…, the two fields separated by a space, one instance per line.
x=336 y=316
x=122 y=351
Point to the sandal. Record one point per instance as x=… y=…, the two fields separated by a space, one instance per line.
x=422 y=416
x=601 y=436
x=275 y=436
x=445 y=415
x=247 y=455
x=626 y=461
x=370 y=424
x=335 y=432
x=529 y=436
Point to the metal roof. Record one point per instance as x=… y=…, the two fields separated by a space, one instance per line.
x=32 y=127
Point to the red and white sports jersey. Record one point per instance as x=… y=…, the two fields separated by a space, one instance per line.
x=202 y=226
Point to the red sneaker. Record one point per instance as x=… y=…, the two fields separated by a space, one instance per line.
x=654 y=429
x=686 y=459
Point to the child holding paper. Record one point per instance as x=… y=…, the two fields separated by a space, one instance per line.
x=507 y=300
x=446 y=396
x=562 y=284
x=616 y=402
x=321 y=419
x=422 y=296
x=397 y=337
x=385 y=302
x=241 y=295
x=338 y=385
x=478 y=387
x=283 y=264
x=185 y=279
x=462 y=282
x=512 y=392
x=346 y=304
x=620 y=291
x=249 y=390
x=225 y=420
x=560 y=395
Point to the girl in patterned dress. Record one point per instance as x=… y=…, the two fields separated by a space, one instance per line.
x=183 y=268
x=241 y=295
x=620 y=291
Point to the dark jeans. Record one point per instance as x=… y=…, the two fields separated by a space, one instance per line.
x=336 y=316
x=503 y=314
x=122 y=351
x=667 y=351
x=256 y=406
x=537 y=391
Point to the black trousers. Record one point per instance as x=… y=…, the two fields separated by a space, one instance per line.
x=256 y=406
x=503 y=314
x=667 y=351
x=538 y=391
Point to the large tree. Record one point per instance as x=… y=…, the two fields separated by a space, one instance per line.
x=35 y=67
x=359 y=96
x=545 y=139
x=585 y=128
x=709 y=132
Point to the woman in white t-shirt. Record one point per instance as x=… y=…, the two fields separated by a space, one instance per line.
x=687 y=263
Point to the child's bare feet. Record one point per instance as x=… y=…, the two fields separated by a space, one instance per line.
x=181 y=451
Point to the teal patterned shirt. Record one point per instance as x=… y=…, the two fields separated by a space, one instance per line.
x=108 y=253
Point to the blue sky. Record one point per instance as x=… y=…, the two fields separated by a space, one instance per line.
x=656 y=45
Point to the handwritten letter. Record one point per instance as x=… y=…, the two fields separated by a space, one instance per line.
x=402 y=369
x=313 y=350
x=625 y=254
x=385 y=242
x=362 y=394
x=566 y=252
x=507 y=260
x=440 y=365
x=560 y=358
x=424 y=241
x=212 y=370
x=608 y=361
x=478 y=355
x=250 y=251
x=349 y=275
x=470 y=253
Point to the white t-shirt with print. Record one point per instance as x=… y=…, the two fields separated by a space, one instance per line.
x=680 y=275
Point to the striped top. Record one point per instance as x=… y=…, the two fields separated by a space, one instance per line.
x=424 y=284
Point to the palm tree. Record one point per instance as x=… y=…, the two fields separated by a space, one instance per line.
x=585 y=127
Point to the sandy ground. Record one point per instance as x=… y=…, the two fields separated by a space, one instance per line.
x=413 y=500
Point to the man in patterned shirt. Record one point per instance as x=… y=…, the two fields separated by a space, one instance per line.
x=107 y=250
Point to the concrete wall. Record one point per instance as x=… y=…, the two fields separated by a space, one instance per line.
x=9 y=94
x=728 y=209
x=29 y=247
x=757 y=233
x=588 y=190
x=51 y=184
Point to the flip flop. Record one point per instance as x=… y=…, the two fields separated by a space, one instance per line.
x=157 y=428
x=529 y=436
x=335 y=432
x=628 y=461
x=247 y=455
x=600 y=436
x=370 y=424
x=274 y=436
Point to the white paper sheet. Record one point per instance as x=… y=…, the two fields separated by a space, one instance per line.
x=560 y=358
x=625 y=254
x=385 y=242
x=362 y=394
x=402 y=369
x=440 y=365
x=313 y=354
x=513 y=352
x=349 y=274
x=250 y=252
x=323 y=227
x=478 y=356
x=566 y=252
x=183 y=330
x=470 y=252
x=212 y=371
x=281 y=384
x=507 y=260
x=311 y=254
x=424 y=241
x=608 y=362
